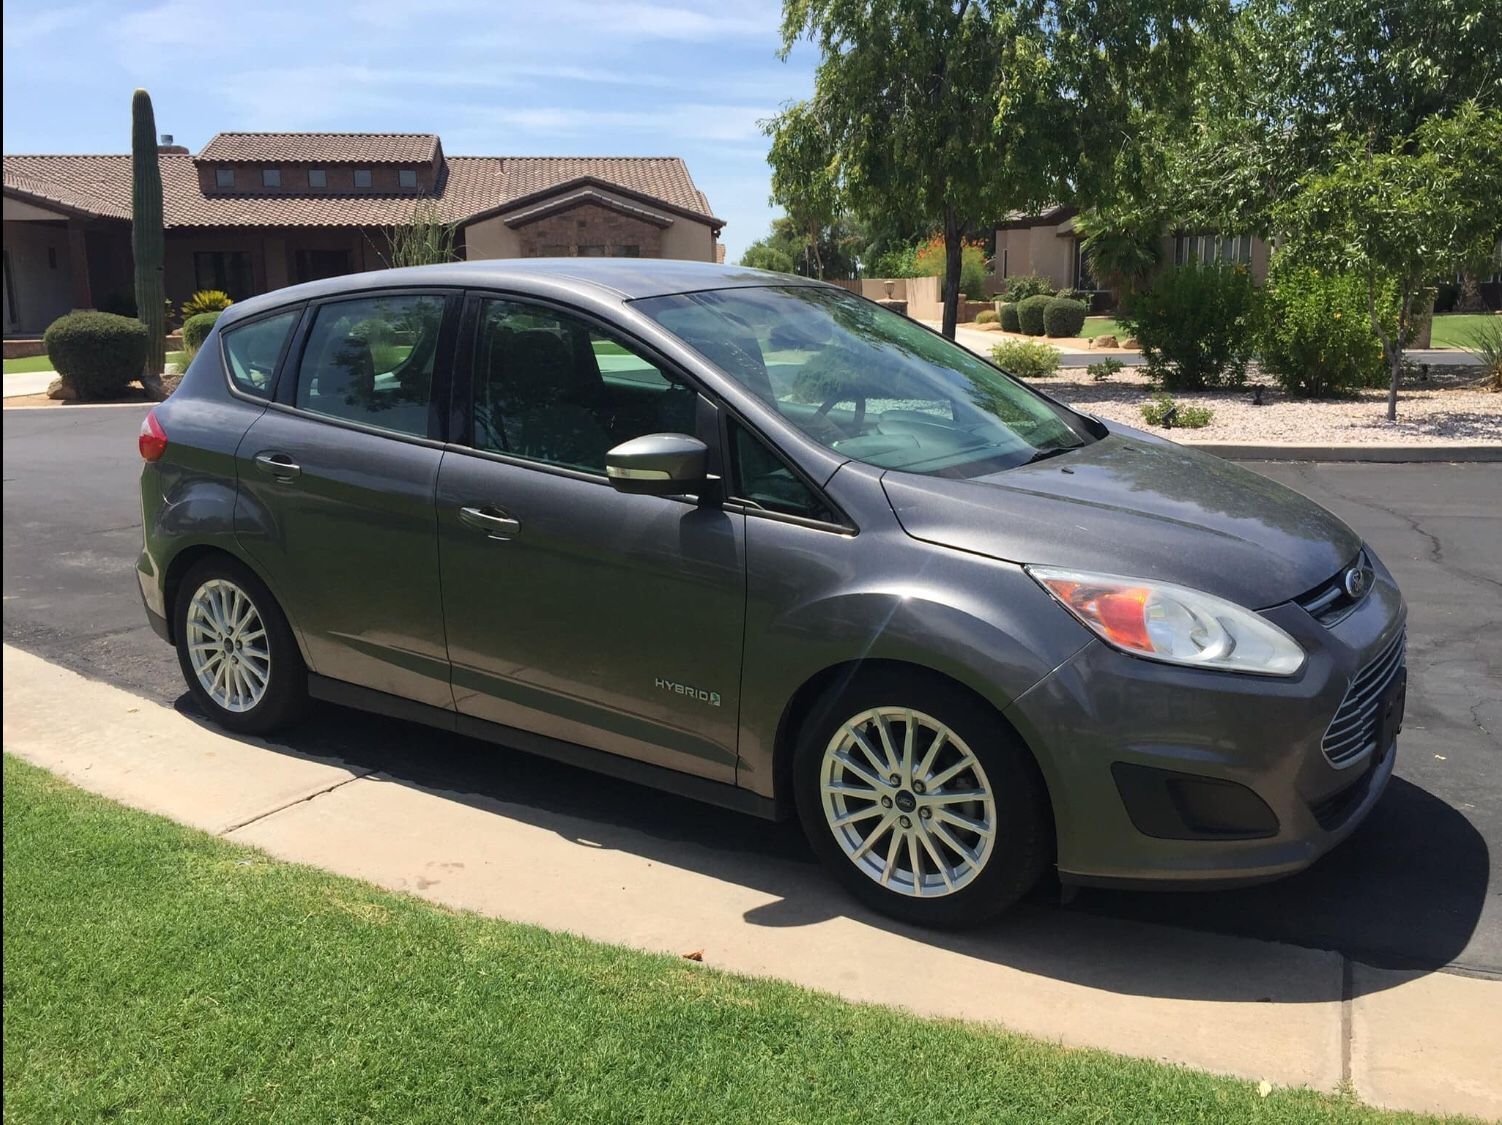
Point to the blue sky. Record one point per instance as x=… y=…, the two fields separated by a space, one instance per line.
x=585 y=77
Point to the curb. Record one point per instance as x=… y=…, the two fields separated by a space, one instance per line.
x=1374 y=454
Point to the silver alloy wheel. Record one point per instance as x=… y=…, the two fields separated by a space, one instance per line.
x=908 y=802
x=228 y=645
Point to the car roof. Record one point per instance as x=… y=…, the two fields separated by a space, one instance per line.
x=611 y=278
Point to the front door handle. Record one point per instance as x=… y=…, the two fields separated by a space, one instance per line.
x=278 y=465
x=494 y=522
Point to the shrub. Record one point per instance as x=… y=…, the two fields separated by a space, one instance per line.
x=205 y=300
x=1485 y=347
x=1194 y=324
x=1314 y=334
x=196 y=330
x=900 y=261
x=1009 y=321
x=1104 y=369
x=930 y=262
x=1027 y=359
x=1026 y=285
x=1064 y=317
x=97 y=353
x=1030 y=314
x=987 y=316
x=1163 y=411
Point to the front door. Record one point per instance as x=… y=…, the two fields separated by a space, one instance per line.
x=574 y=611
x=342 y=471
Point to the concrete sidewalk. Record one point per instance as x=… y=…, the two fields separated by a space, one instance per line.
x=27 y=383
x=1255 y=1009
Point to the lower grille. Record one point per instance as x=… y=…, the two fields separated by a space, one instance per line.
x=1354 y=730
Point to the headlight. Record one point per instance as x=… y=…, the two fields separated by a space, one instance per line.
x=1171 y=623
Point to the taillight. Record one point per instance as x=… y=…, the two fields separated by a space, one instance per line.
x=153 y=440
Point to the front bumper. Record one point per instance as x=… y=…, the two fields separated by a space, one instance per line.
x=1168 y=776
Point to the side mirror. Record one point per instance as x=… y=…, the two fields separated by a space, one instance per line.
x=659 y=465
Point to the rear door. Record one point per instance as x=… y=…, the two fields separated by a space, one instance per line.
x=573 y=610
x=337 y=481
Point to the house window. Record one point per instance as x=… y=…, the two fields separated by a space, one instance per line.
x=52 y=257
x=224 y=177
x=406 y=177
x=311 y=265
x=1083 y=280
x=362 y=177
x=1192 y=248
x=271 y=177
x=228 y=270
x=317 y=177
x=592 y=251
x=628 y=251
x=1004 y=263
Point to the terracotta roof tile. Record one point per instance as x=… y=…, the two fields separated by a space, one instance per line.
x=325 y=148
x=100 y=185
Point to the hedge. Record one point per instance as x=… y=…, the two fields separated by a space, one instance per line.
x=99 y=354
x=1009 y=321
x=1030 y=314
x=1064 y=317
x=196 y=330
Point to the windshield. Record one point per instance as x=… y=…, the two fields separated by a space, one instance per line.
x=867 y=382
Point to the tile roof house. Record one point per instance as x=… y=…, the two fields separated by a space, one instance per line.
x=256 y=211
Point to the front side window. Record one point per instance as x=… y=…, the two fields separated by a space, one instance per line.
x=869 y=383
x=252 y=350
x=371 y=361
x=766 y=480
x=551 y=388
x=362 y=177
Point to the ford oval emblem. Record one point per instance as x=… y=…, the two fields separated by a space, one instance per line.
x=1357 y=581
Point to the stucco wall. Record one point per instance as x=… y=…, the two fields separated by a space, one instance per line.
x=38 y=285
x=1041 y=250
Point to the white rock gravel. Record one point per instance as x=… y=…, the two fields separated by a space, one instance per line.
x=1450 y=408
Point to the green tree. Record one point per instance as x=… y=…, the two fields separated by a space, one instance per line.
x=945 y=113
x=147 y=240
x=805 y=177
x=1400 y=217
x=764 y=254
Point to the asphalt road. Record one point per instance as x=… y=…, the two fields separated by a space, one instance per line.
x=1414 y=887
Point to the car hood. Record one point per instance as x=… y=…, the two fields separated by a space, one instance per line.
x=1139 y=507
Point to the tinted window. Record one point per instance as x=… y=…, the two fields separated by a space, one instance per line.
x=271 y=177
x=869 y=383
x=251 y=351
x=406 y=177
x=362 y=177
x=552 y=388
x=228 y=270
x=317 y=177
x=224 y=177
x=765 y=479
x=371 y=361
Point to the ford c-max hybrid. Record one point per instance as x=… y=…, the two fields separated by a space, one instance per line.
x=757 y=540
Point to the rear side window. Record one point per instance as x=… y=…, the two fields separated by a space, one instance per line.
x=371 y=361
x=251 y=351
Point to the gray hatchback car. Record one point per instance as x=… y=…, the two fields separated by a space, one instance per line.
x=759 y=541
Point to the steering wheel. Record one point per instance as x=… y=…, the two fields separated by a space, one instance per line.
x=860 y=410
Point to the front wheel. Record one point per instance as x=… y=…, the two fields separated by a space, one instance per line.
x=921 y=801
x=236 y=650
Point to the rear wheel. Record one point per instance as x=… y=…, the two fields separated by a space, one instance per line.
x=237 y=653
x=921 y=801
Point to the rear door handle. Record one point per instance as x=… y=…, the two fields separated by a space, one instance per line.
x=494 y=522
x=278 y=465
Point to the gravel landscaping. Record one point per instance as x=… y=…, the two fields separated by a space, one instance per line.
x=1449 y=408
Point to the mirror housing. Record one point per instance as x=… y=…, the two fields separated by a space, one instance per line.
x=659 y=465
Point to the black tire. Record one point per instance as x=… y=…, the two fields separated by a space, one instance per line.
x=286 y=694
x=1023 y=844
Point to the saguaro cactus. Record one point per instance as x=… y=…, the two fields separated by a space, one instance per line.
x=146 y=239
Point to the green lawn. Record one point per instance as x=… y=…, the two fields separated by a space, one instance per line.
x=1454 y=330
x=155 y=973
x=1101 y=326
x=42 y=363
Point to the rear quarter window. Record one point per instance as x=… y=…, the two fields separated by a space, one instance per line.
x=251 y=351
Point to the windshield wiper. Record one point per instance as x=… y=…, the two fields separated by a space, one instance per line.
x=1045 y=454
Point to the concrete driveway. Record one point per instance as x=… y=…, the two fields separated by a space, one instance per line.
x=1412 y=890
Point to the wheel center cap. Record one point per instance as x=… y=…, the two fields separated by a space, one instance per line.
x=906 y=801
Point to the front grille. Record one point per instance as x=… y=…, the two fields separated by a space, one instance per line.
x=1328 y=602
x=1337 y=808
x=1353 y=731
